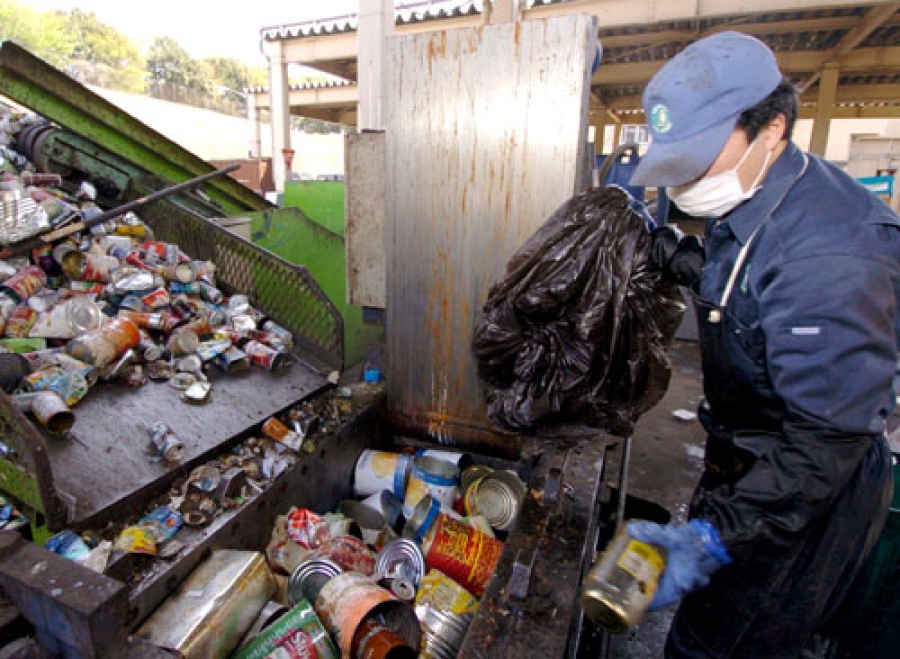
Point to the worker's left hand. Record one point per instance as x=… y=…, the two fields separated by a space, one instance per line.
x=693 y=552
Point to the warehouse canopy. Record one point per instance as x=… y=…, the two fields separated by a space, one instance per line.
x=843 y=55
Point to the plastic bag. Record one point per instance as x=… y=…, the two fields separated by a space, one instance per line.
x=576 y=331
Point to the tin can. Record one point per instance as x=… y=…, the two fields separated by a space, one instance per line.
x=444 y=594
x=497 y=497
x=232 y=359
x=388 y=505
x=156 y=299
x=271 y=613
x=87 y=266
x=182 y=342
x=442 y=632
x=105 y=344
x=275 y=429
x=373 y=640
x=433 y=476
x=53 y=413
x=401 y=559
x=262 y=355
x=381 y=470
x=212 y=294
x=460 y=459
x=309 y=577
x=25 y=283
x=166 y=442
x=298 y=633
x=20 y=321
x=188 y=288
x=422 y=519
x=145 y=319
x=620 y=587
x=463 y=553
x=349 y=599
x=281 y=332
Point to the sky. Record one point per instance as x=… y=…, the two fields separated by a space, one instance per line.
x=204 y=28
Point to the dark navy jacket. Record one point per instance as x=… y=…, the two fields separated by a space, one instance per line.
x=812 y=347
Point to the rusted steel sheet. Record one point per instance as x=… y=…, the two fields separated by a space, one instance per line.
x=487 y=130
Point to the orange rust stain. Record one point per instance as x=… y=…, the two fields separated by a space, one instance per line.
x=508 y=203
x=517 y=33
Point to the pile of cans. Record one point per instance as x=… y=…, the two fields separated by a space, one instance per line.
x=416 y=543
x=116 y=305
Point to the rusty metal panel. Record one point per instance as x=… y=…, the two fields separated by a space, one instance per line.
x=364 y=155
x=486 y=135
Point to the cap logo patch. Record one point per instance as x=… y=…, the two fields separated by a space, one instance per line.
x=659 y=119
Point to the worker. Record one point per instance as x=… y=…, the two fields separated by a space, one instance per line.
x=797 y=307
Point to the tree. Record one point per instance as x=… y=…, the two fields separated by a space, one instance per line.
x=107 y=50
x=44 y=34
x=169 y=63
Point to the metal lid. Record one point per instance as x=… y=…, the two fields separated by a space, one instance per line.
x=471 y=474
x=401 y=559
x=308 y=579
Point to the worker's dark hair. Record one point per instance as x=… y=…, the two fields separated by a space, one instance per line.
x=784 y=100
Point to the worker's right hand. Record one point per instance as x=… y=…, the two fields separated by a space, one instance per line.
x=678 y=256
x=693 y=552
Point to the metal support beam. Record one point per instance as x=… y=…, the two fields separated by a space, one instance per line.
x=279 y=110
x=376 y=21
x=824 y=110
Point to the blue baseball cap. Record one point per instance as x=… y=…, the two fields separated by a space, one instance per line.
x=693 y=103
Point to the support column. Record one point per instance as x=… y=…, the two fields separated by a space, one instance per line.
x=376 y=21
x=617 y=135
x=824 y=109
x=255 y=147
x=598 y=123
x=280 y=111
x=501 y=11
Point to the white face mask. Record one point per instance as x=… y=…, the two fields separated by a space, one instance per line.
x=716 y=195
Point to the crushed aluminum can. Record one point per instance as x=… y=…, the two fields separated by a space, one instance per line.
x=197 y=394
x=163 y=522
x=232 y=360
x=166 y=442
x=157 y=299
x=262 y=355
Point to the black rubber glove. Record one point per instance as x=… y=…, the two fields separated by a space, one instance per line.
x=679 y=257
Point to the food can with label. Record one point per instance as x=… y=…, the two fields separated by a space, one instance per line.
x=463 y=553
x=381 y=470
x=429 y=475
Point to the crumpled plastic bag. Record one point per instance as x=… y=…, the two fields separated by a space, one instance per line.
x=577 y=330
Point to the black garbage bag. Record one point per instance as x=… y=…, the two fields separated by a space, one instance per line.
x=577 y=330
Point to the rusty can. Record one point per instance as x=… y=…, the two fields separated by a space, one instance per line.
x=374 y=640
x=25 y=283
x=166 y=442
x=53 y=413
x=105 y=344
x=381 y=470
x=433 y=476
x=262 y=355
x=463 y=553
x=309 y=577
x=349 y=599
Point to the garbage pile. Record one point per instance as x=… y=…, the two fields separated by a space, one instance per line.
x=397 y=570
x=177 y=520
x=108 y=303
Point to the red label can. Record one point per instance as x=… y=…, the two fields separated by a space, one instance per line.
x=463 y=553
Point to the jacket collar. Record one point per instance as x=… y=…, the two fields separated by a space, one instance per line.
x=747 y=217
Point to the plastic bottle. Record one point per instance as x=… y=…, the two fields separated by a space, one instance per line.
x=620 y=587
